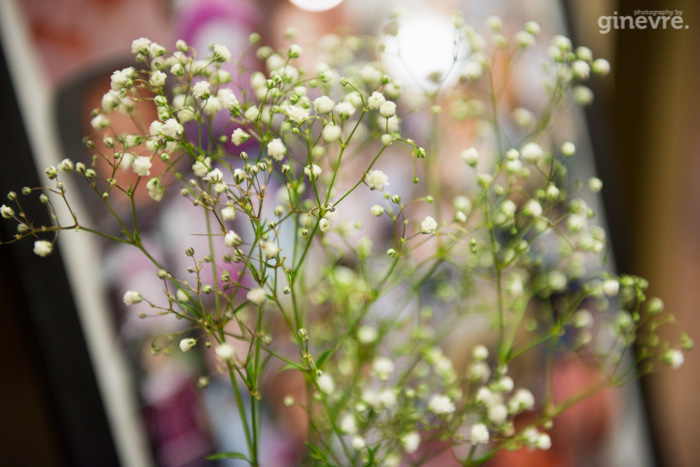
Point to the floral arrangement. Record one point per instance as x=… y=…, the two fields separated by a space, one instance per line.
x=292 y=282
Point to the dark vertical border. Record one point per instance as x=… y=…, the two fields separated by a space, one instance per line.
x=49 y=324
x=612 y=123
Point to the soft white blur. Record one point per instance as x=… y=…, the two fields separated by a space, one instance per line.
x=424 y=51
x=316 y=5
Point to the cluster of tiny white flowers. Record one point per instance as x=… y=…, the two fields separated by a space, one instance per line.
x=428 y=226
x=377 y=180
x=510 y=213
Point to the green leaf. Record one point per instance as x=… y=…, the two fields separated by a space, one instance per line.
x=290 y=366
x=322 y=359
x=250 y=373
x=187 y=306
x=317 y=454
x=228 y=455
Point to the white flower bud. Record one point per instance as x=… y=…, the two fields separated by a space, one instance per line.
x=376 y=100
x=187 y=344
x=294 y=51
x=324 y=224
x=214 y=176
x=472 y=70
x=312 y=171
x=141 y=166
x=521 y=400
x=674 y=358
x=480 y=353
x=232 y=239
x=376 y=210
x=358 y=442
x=140 y=46
x=601 y=67
x=532 y=27
x=655 y=305
x=470 y=156
x=297 y=113
x=228 y=99
x=367 y=334
x=270 y=249
x=595 y=184
x=370 y=74
x=552 y=192
x=376 y=180
x=505 y=384
x=494 y=22
x=181 y=296
x=331 y=133
x=8 y=213
x=512 y=154
x=155 y=189
x=239 y=136
x=568 y=149
x=132 y=297
x=479 y=371
x=514 y=166
x=348 y=424
x=66 y=165
x=387 y=398
x=497 y=413
x=428 y=226
x=544 y=442
x=561 y=42
x=441 y=404
x=43 y=248
x=485 y=396
x=410 y=442
x=228 y=213
x=276 y=149
x=345 y=110
x=224 y=352
x=523 y=117
x=201 y=89
x=479 y=434
x=201 y=168
x=532 y=152
x=532 y=209
x=382 y=367
x=220 y=53
x=324 y=105
x=611 y=287
x=325 y=383
x=387 y=109
x=582 y=95
x=156 y=50
x=99 y=122
x=172 y=128
x=157 y=79
x=256 y=296
x=524 y=39
x=582 y=319
x=581 y=69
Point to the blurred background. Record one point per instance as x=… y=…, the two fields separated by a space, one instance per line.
x=75 y=376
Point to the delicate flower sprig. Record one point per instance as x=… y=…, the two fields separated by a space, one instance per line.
x=517 y=243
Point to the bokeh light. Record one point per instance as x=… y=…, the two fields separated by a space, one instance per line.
x=424 y=51
x=316 y=5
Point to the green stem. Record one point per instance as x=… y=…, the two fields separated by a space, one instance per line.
x=244 y=421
